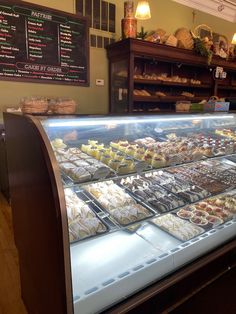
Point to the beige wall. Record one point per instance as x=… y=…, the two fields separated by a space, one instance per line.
x=165 y=14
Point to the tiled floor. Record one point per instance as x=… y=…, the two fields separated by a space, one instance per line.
x=10 y=298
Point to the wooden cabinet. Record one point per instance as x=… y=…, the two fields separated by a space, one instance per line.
x=145 y=76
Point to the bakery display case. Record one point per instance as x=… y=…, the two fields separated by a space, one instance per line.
x=120 y=206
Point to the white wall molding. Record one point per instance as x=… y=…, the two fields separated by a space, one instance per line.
x=211 y=7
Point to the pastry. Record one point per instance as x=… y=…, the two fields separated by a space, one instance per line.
x=178 y=227
x=120 y=204
x=82 y=221
x=58 y=143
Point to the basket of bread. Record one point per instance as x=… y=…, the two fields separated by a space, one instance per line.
x=34 y=105
x=62 y=106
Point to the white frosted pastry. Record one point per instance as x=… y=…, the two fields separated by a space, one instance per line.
x=130 y=213
x=58 y=143
x=117 y=202
x=82 y=220
x=83 y=228
x=178 y=227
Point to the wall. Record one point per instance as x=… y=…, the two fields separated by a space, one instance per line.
x=165 y=14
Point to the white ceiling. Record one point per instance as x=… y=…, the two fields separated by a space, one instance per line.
x=225 y=9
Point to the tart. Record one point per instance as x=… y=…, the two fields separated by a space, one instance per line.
x=185 y=214
x=200 y=221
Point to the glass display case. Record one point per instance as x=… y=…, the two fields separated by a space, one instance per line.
x=136 y=197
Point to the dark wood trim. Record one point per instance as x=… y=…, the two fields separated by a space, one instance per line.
x=146 y=49
x=39 y=217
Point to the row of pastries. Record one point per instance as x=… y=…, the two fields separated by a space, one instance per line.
x=96 y=160
x=134 y=198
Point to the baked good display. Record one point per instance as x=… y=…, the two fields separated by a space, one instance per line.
x=141 y=92
x=82 y=220
x=152 y=194
x=181 y=229
x=79 y=166
x=226 y=132
x=222 y=207
x=190 y=192
x=187 y=94
x=120 y=205
x=58 y=143
x=119 y=156
x=210 y=183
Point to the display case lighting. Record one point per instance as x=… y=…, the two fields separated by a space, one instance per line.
x=119 y=121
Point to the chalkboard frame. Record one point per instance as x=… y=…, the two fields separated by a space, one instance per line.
x=63 y=14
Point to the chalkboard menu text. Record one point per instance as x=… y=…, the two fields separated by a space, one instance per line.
x=39 y=44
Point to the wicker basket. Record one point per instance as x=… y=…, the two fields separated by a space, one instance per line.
x=34 y=105
x=197 y=31
x=63 y=106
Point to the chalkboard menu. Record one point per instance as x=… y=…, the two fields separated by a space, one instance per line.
x=39 y=44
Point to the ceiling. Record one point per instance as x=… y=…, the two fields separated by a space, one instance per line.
x=225 y=9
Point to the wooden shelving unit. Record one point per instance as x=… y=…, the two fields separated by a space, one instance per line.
x=130 y=58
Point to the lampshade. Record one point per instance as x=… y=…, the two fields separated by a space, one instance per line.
x=233 y=42
x=143 y=11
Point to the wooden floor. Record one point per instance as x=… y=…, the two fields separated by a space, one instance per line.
x=10 y=298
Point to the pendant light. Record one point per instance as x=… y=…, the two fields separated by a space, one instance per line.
x=233 y=42
x=143 y=11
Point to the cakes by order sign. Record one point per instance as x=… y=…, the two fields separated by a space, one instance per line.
x=40 y=44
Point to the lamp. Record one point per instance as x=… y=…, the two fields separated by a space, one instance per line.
x=233 y=42
x=143 y=11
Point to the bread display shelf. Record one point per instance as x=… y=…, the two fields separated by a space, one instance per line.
x=162 y=83
x=148 y=65
x=166 y=99
x=226 y=87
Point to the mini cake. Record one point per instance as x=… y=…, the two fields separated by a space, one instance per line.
x=139 y=153
x=105 y=159
x=85 y=148
x=123 y=168
x=114 y=164
x=92 y=151
x=58 y=143
x=119 y=156
x=114 y=144
x=158 y=162
x=92 y=142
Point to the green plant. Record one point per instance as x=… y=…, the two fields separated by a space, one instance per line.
x=142 y=34
x=200 y=48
